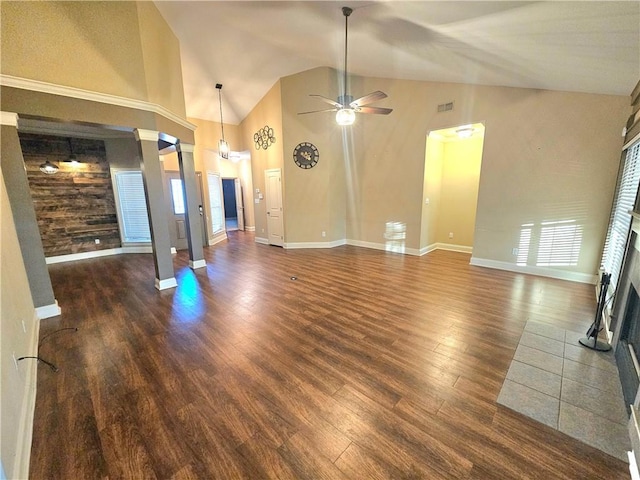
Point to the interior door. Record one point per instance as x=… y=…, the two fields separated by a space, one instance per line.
x=239 y=204
x=177 y=223
x=275 y=227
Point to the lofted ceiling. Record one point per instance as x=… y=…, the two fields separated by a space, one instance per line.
x=583 y=46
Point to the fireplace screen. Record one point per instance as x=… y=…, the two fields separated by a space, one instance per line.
x=628 y=348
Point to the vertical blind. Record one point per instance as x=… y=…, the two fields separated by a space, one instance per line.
x=133 y=207
x=620 y=220
x=215 y=202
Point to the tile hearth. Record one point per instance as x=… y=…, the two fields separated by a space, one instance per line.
x=558 y=382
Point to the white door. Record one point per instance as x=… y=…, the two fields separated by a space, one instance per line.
x=239 y=204
x=275 y=229
x=177 y=223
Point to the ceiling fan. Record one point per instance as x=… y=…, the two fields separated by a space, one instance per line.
x=345 y=106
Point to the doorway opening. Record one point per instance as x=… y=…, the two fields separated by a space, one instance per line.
x=233 y=206
x=451 y=181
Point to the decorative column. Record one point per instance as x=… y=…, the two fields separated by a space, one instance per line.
x=154 y=194
x=192 y=205
x=24 y=217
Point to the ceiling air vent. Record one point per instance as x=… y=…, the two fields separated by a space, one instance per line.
x=445 y=107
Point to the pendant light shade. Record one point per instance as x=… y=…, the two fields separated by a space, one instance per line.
x=223 y=146
x=48 y=168
x=73 y=160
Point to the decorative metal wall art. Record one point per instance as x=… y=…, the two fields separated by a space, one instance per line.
x=264 y=138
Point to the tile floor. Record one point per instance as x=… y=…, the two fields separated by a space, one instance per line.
x=556 y=381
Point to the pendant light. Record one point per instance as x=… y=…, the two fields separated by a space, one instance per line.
x=48 y=168
x=223 y=147
x=73 y=160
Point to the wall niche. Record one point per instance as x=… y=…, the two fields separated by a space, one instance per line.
x=76 y=205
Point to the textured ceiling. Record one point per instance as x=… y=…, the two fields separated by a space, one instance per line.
x=584 y=46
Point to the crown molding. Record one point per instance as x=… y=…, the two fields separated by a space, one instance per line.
x=72 y=92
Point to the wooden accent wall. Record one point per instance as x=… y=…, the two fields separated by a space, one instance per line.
x=76 y=205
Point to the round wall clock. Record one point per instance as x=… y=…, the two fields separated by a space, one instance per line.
x=306 y=155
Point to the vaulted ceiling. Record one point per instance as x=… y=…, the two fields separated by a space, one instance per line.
x=585 y=46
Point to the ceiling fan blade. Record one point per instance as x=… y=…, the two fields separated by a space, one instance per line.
x=367 y=99
x=318 y=111
x=376 y=110
x=327 y=100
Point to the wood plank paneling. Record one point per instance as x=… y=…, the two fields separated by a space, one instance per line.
x=76 y=205
x=369 y=365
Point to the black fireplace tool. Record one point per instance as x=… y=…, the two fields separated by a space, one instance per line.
x=591 y=340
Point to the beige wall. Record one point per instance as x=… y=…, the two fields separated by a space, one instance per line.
x=118 y=48
x=90 y=45
x=461 y=163
x=18 y=386
x=267 y=112
x=315 y=197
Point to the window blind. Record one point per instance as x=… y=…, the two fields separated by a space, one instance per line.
x=132 y=207
x=620 y=221
x=215 y=202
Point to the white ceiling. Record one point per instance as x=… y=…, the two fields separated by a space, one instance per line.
x=583 y=46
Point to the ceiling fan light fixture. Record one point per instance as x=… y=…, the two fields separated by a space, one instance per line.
x=345 y=116
x=48 y=168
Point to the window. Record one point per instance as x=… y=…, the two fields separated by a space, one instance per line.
x=215 y=202
x=177 y=196
x=620 y=220
x=132 y=206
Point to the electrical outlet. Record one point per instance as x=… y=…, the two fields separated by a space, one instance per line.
x=24 y=327
x=263 y=230
x=15 y=360
x=514 y=252
x=324 y=234
x=426 y=201
x=97 y=241
x=450 y=234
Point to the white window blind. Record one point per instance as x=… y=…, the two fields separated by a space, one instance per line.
x=132 y=207
x=215 y=202
x=620 y=220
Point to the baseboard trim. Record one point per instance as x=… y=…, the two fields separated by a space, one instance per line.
x=449 y=247
x=220 y=238
x=48 y=311
x=25 y=435
x=263 y=241
x=539 y=271
x=250 y=229
x=166 y=283
x=385 y=247
x=296 y=245
x=72 y=257
x=195 y=264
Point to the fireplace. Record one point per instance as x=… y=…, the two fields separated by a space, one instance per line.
x=628 y=347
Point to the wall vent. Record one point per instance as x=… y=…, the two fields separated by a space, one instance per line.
x=445 y=107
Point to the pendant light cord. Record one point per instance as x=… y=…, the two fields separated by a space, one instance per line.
x=220 y=99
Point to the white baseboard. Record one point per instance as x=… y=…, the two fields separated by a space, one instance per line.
x=250 y=229
x=99 y=253
x=218 y=239
x=48 y=311
x=387 y=247
x=263 y=241
x=166 y=283
x=295 y=245
x=446 y=246
x=194 y=264
x=531 y=270
x=25 y=434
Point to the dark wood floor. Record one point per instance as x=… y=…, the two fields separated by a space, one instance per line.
x=369 y=365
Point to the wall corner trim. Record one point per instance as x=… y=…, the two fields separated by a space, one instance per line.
x=166 y=283
x=149 y=135
x=539 y=271
x=48 y=311
x=9 y=118
x=65 y=91
x=185 y=147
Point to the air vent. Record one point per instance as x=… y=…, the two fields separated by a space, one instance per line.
x=445 y=107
